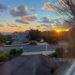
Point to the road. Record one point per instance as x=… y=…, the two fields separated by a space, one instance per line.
x=29 y=48
x=29 y=65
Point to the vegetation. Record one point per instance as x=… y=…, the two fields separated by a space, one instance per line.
x=3 y=56
x=15 y=52
x=7 y=39
x=7 y=56
x=35 y=35
x=20 y=51
x=1 y=39
x=59 y=53
x=33 y=42
x=48 y=36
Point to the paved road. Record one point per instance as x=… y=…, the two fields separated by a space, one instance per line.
x=26 y=65
x=29 y=65
x=29 y=48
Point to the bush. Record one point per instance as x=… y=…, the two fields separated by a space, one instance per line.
x=13 y=52
x=32 y=43
x=59 y=52
x=20 y=51
x=3 y=56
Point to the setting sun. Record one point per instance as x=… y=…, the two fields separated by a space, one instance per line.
x=60 y=30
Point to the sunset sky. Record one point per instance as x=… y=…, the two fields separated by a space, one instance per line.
x=21 y=15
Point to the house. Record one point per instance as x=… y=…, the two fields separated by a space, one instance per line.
x=20 y=37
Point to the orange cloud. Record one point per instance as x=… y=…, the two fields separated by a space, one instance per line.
x=50 y=7
x=14 y=29
x=25 y=8
x=19 y=11
x=58 y=7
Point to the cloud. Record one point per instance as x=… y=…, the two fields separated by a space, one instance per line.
x=32 y=9
x=45 y=25
x=1 y=25
x=19 y=11
x=29 y=18
x=49 y=6
x=22 y=21
x=45 y=20
x=25 y=8
x=3 y=7
x=12 y=25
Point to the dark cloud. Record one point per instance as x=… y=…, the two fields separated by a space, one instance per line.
x=27 y=19
x=21 y=21
x=19 y=11
x=3 y=7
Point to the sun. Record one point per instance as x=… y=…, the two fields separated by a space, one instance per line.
x=57 y=30
x=60 y=30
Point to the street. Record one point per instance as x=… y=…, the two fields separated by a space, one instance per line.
x=29 y=48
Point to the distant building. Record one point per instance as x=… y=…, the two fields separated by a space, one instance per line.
x=20 y=37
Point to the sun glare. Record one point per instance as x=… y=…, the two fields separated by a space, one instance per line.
x=60 y=30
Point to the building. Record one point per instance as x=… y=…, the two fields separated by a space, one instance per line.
x=20 y=37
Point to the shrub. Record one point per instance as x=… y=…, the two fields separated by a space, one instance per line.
x=59 y=52
x=20 y=51
x=32 y=43
x=13 y=52
x=3 y=56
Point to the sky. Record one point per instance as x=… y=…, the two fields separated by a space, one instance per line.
x=21 y=15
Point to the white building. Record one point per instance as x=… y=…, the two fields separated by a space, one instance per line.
x=20 y=37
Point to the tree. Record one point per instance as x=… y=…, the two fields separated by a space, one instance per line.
x=1 y=39
x=35 y=35
x=3 y=56
x=13 y=51
x=66 y=7
x=63 y=7
x=8 y=39
x=50 y=37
